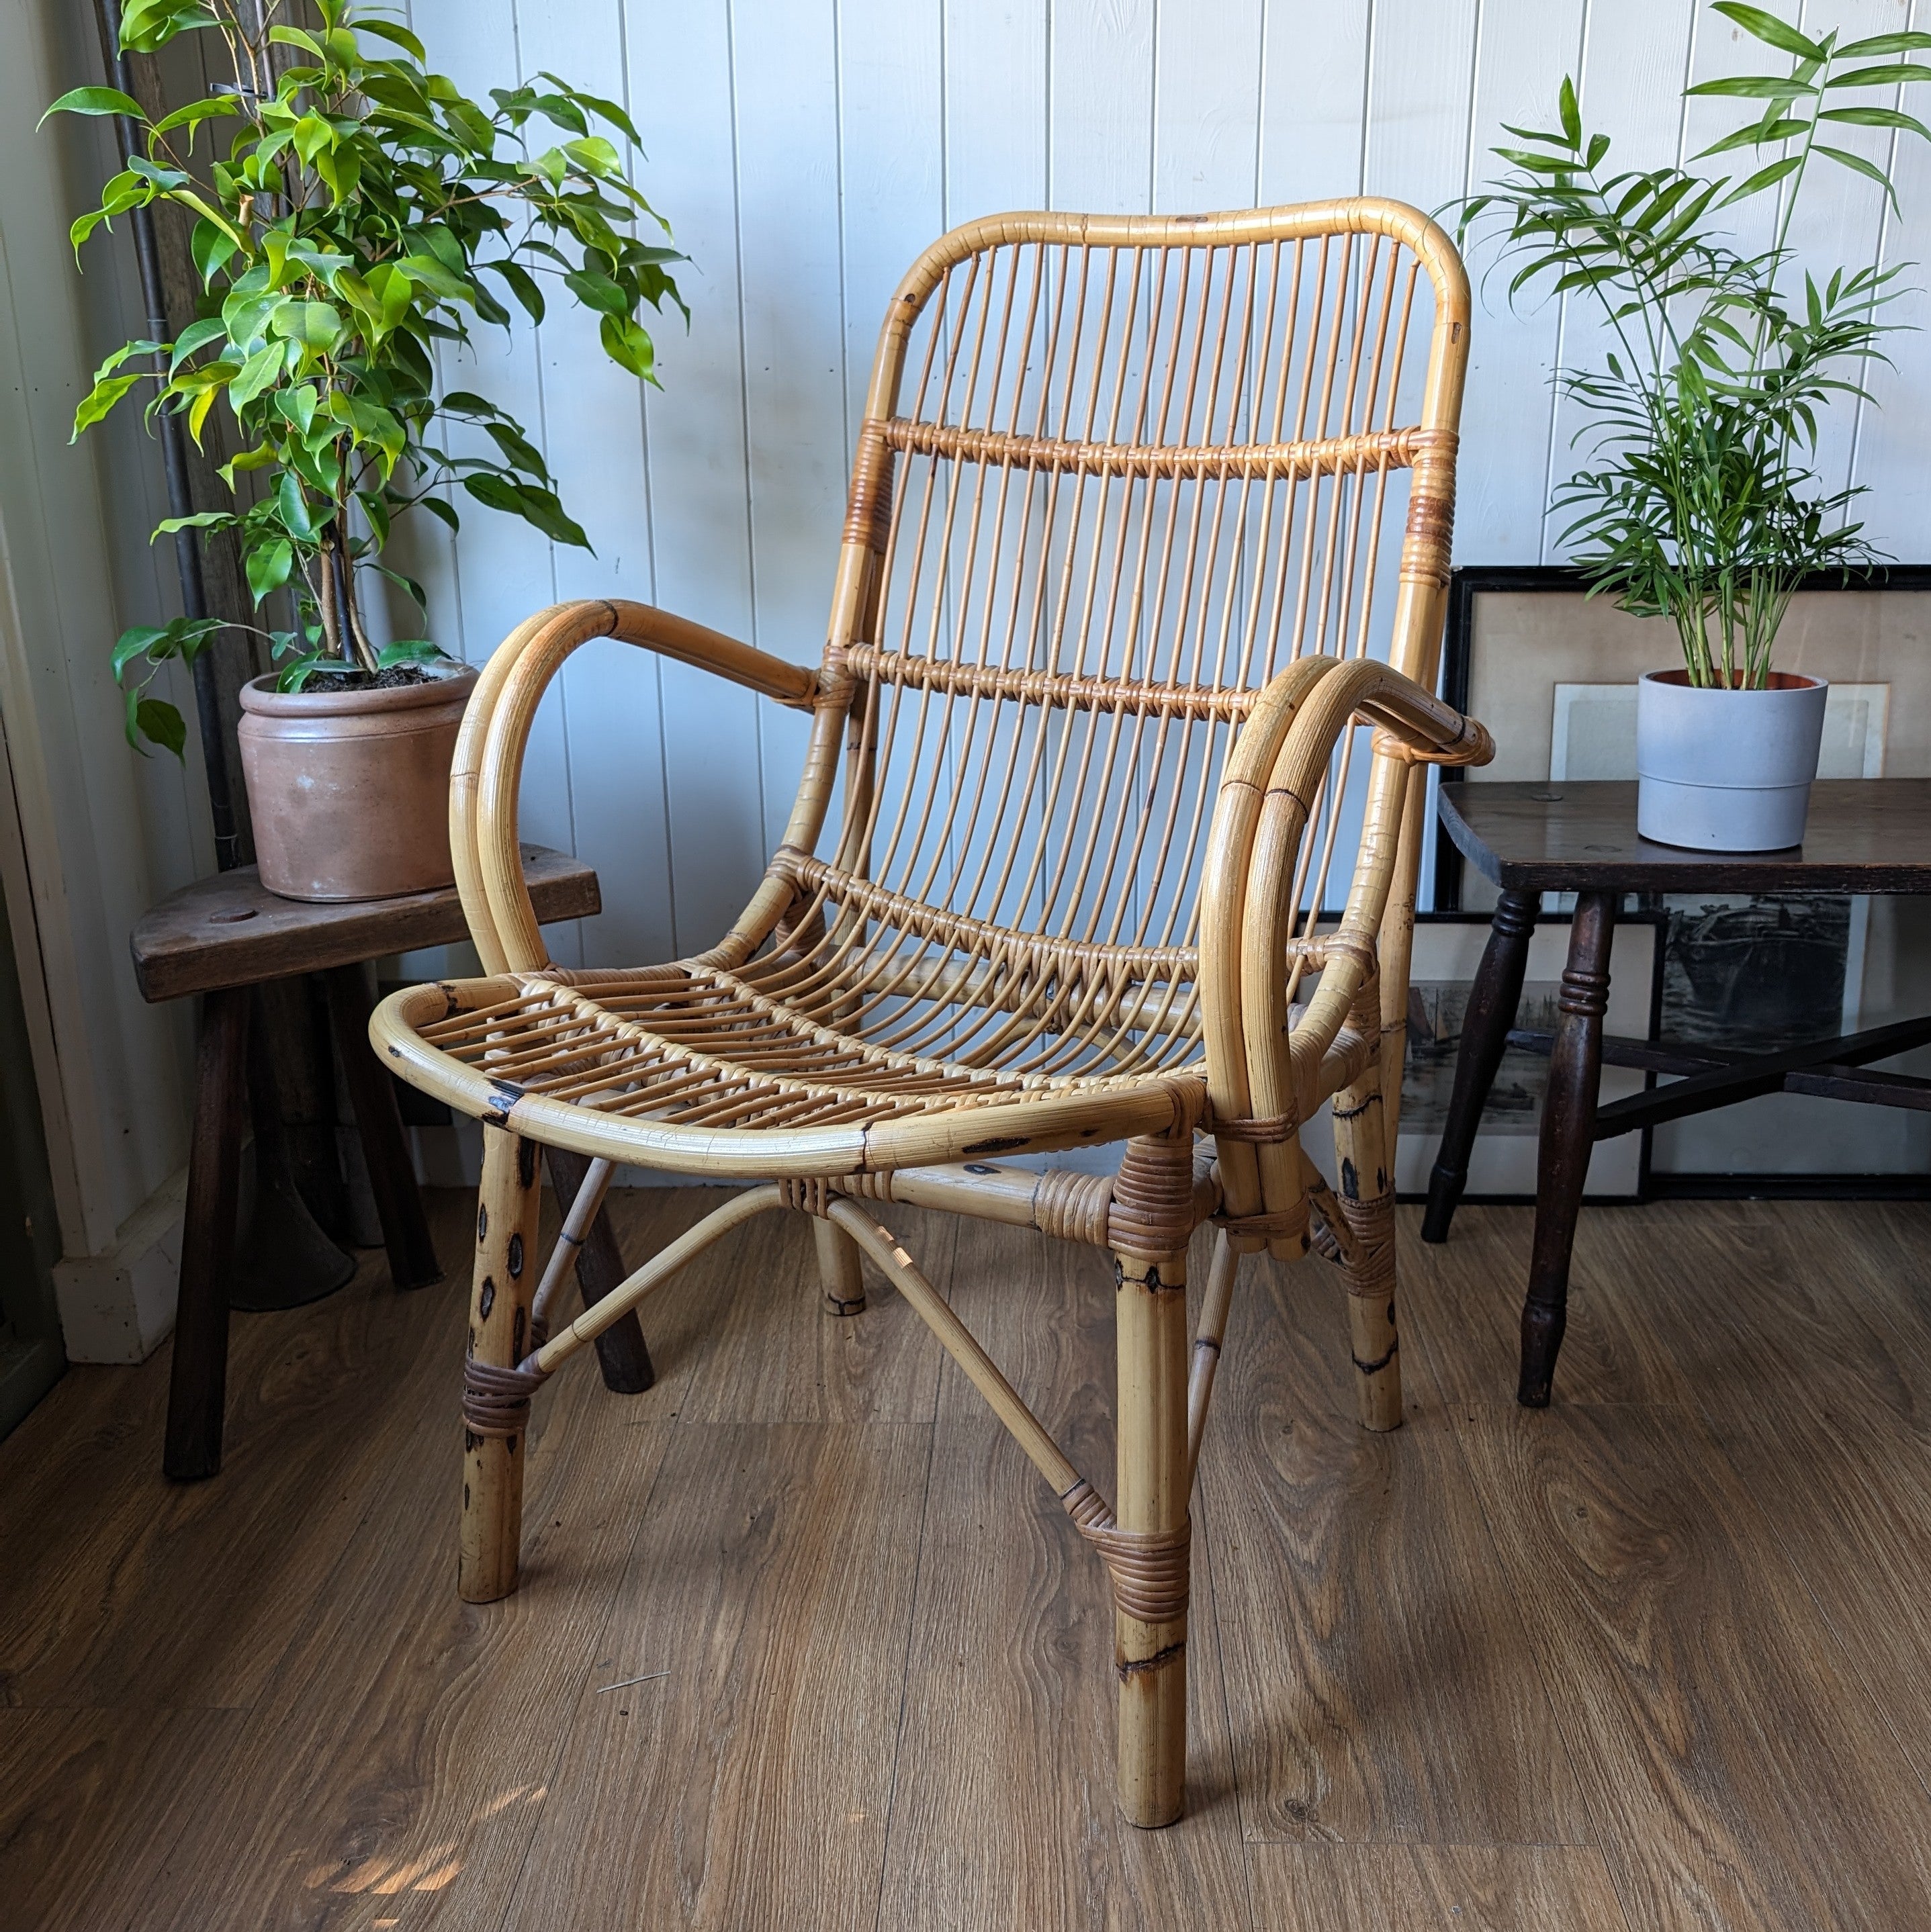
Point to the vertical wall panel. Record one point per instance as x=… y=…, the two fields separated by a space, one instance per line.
x=1206 y=120
x=784 y=56
x=681 y=98
x=1525 y=47
x=1101 y=136
x=1313 y=101
x=995 y=106
x=593 y=418
x=891 y=81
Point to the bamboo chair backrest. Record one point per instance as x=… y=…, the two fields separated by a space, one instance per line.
x=1114 y=474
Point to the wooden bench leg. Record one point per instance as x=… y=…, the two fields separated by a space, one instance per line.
x=1152 y=1477
x=1492 y=1007
x=621 y=1351
x=840 y=1273
x=504 y=1285
x=405 y=1228
x=198 y=1375
x=1568 y=1138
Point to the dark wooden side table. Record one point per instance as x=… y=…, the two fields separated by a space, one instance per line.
x=1864 y=835
x=221 y=938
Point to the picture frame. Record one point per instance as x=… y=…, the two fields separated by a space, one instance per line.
x=1551 y=673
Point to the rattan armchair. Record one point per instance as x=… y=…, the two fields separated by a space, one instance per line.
x=1116 y=664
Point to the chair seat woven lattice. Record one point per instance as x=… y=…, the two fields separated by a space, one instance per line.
x=1118 y=665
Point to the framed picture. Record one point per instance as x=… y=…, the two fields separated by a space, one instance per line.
x=1552 y=673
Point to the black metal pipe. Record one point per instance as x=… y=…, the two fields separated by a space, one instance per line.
x=174 y=458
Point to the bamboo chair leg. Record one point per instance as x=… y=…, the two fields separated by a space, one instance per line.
x=839 y=1270
x=1367 y=1204
x=504 y=1285
x=1153 y=1481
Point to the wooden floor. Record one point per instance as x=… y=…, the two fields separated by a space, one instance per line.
x=1660 y=1656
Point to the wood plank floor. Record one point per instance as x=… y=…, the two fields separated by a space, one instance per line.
x=1659 y=1658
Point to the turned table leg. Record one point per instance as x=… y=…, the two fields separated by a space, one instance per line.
x=1492 y=1007
x=1569 y=1138
x=198 y=1376
x=405 y=1228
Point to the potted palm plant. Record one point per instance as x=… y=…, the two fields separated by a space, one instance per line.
x=1702 y=505
x=361 y=212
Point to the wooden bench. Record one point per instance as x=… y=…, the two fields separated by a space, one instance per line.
x=221 y=938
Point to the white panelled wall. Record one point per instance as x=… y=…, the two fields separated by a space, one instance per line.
x=805 y=150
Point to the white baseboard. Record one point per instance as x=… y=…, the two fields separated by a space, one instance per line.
x=118 y=1306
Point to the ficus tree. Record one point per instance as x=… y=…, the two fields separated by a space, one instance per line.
x=351 y=210
x=1702 y=503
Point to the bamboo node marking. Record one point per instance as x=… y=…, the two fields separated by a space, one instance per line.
x=496 y=1400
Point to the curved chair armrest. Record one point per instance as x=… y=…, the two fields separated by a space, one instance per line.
x=486 y=775
x=1257 y=1071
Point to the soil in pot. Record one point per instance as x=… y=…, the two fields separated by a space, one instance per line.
x=1723 y=770
x=349 y=782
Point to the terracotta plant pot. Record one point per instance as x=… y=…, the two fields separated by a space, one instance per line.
x=1726 y=771
x=350 y=789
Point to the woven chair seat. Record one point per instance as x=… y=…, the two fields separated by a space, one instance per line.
x=684 y=1060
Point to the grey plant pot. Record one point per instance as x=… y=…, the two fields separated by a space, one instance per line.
x=1726 y=771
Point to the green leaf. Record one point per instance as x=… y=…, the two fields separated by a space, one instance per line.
x=1768 y=28
x=1755 y=134
x=1752 y=87
x=1885 y=43
x=202 y=520
x=1877 y=117
x=197 y=335
x=316 y=324
x=523 y=285
x=293 y=507
x=96 y=101
x=609 y=109
x=517 y=451
x=1892 y=74
x=597 y=291
x=212 y=107
x=297 y=672
x=594 y=155
x=211 y=246
x=132 y=644
x=1572 y=115
x=417 y=651
x=628 y=345
x=256 y=374
x=1764 y=177
x=442 y=511
x=1858 y=165
x=269 y=566
x=157 y=721
x=537 y=507
x=100 y=399
x=397 y=36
